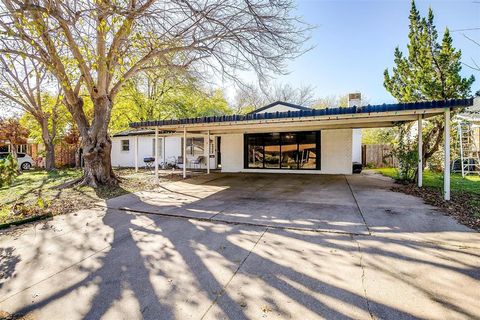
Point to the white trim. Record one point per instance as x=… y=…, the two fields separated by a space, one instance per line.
x=156 y=152
x=184 y=152
x=446 y=160
x=420 y=153
x=136 y=154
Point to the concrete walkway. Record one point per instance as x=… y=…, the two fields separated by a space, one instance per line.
x=247 y=247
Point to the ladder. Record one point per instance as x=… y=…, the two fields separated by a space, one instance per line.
x=468 y=149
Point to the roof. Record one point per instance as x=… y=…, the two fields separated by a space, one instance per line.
x=128 y=133
x=329 y=113
x=472 y=113
x=291 y=105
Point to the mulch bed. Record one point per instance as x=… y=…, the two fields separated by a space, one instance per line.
x=463 y=206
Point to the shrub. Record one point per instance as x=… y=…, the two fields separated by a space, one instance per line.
x=405 y=150
x=8 y=171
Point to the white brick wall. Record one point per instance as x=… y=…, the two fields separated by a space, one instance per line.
x=336 y=154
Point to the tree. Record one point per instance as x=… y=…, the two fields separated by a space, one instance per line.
x=430 y=71
x=12 y=131
x=155 y=95
x=100 y=45
x=250 y=97
x=331 y=101
x=24 y=83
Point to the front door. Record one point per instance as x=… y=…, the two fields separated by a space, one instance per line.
x=219 y=153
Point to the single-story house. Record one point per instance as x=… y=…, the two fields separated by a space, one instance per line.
x=170 y=146
x=291 y=140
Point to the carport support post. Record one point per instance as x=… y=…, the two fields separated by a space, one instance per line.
x=136 y=153
x=446 y=161
x=156 y=152
x=208 y=152
x=184 y=152
x=420 y=153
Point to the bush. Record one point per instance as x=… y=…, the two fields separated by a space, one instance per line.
x=8 y=171
x=405 y=150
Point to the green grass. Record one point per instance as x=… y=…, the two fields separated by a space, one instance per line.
x=470 y=184
x=31 y=186
x=35 y=192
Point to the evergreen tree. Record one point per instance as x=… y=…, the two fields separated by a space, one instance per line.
x=430 y=71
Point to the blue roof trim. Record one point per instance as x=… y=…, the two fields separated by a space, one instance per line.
x=452 y=103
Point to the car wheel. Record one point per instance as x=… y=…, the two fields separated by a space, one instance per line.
x=26 y=166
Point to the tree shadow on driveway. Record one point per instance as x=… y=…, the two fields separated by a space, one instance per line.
x=159 y=267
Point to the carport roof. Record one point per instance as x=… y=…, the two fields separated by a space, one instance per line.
x=353 y=117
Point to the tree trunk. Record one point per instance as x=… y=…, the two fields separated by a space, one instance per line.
x=49 y=146
x=49 y=156
x=436 y=137
x=97 y=147
x=13 y=150
x=78 y=157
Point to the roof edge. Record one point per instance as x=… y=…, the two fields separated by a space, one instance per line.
x=452 y=103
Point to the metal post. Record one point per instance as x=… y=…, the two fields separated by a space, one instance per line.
x=136 y=153
x=163 y=151
x=156 y=152
x=460 y=137
x=184 y=152
x=446 y=164
x=208 y=152
x=420 y=153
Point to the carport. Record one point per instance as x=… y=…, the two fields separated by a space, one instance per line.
x=331 y=126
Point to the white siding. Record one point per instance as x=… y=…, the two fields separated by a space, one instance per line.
x=232 y=152
x=119 y=157
x=337 y=151
x=357 y=145
x=336 y=146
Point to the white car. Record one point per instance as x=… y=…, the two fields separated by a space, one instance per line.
x=25 y=162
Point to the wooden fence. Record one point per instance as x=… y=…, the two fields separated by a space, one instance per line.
x=65 y=155
x=378 y=156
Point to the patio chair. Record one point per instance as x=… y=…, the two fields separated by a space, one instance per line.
x=197 y=162
x=179 y=161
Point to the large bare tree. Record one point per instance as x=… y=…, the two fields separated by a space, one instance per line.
x=25 y=85
x=99 y=45
x=250 y=97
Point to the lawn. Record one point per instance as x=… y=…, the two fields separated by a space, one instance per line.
x=470 y=184
x=36 y=192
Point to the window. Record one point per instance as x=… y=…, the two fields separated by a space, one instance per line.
x=125 y=145
x=287 y=150
x=255 y=151
x=194 y=147
x=272 y=150
x=22 y=148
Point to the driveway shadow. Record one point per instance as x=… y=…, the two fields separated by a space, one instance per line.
x=163 y=267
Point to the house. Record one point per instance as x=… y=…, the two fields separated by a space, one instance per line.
x=170 y=146
x=300 y=141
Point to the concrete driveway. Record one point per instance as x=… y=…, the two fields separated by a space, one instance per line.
x=244 y=246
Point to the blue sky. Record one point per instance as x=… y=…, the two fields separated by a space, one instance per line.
x=354 y=42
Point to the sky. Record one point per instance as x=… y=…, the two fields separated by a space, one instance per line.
x=355 y=40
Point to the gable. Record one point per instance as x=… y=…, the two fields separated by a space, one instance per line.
x=279 y=106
